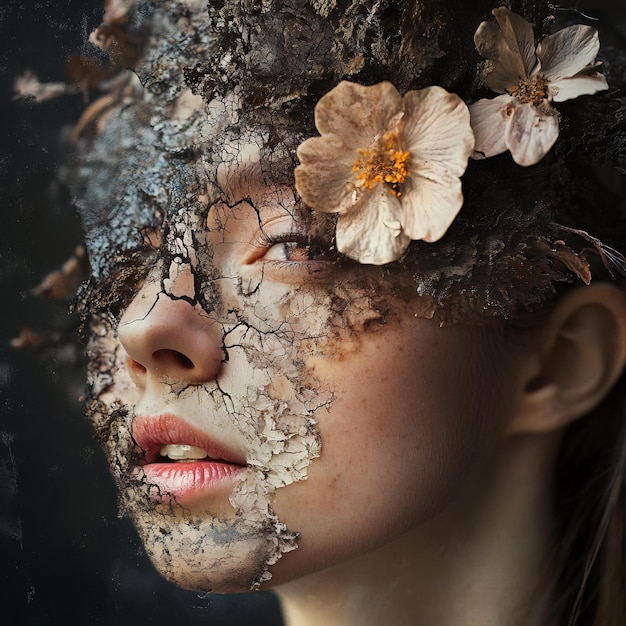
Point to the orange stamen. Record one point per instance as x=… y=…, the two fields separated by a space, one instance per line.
x=530 y=90
x=383 y=163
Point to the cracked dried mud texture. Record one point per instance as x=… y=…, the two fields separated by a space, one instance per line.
x=172 y=214
x=205 y=140
x=265 y=391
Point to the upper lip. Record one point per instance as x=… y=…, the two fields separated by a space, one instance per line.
x=150 y=433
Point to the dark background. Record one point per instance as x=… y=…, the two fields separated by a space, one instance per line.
x=65 y=557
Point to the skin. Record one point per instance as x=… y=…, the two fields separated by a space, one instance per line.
x=379 y=446
x=373 y=381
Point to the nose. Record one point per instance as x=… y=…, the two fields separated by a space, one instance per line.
x=168 y=339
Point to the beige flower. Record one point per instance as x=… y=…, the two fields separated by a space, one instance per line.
x=561 y=68
x=390 y=166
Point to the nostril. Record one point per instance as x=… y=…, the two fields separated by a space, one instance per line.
x=136 y=371
x=134 y=366
x=173 y=357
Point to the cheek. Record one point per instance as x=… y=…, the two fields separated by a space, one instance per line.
x=413 y=413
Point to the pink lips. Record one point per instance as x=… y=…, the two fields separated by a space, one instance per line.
x=181 y=480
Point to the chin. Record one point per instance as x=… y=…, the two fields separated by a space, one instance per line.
x=197 y=578
x=206 y=554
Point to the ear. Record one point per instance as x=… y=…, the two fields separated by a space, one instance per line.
x=574 y=360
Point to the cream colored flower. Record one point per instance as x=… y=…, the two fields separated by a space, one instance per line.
x=390 y=166
x=561 y=68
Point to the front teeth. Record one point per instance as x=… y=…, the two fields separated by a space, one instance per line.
x=183 y=452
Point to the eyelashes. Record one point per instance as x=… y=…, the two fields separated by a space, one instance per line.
x=285 y=252
x=294 y=246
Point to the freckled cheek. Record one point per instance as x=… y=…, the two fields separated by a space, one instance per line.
x=375 y=442
x=368 y=472
x=397 y=441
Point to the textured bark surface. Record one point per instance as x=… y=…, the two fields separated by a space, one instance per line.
x=264 y=65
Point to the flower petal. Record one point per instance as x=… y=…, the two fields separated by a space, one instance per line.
x=324 y=178
x=531 y=133
x=436 y=130
x=370 y=233
x=430 y=205
x=579 y=85
x=356 y=113
x=510 y=45
x=489 y=119
x=568 y=51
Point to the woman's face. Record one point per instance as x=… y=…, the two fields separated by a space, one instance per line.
x=269 y=409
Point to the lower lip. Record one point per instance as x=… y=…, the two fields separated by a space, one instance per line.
x=185 y=479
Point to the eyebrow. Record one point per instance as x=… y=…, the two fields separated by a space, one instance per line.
x=237 y=179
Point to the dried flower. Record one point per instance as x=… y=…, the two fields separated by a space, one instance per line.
x=28 y=86
x=390 y=166
x=523 y=120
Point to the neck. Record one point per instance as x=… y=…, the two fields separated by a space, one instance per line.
x=480 y=561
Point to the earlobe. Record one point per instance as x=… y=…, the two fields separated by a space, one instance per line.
x=574 y=362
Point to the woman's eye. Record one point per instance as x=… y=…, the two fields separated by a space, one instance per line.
x=291 y=256
x=295 y=247
x=291 y=251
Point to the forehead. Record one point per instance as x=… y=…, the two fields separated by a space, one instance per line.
x=246 y=170
x=251 y=149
